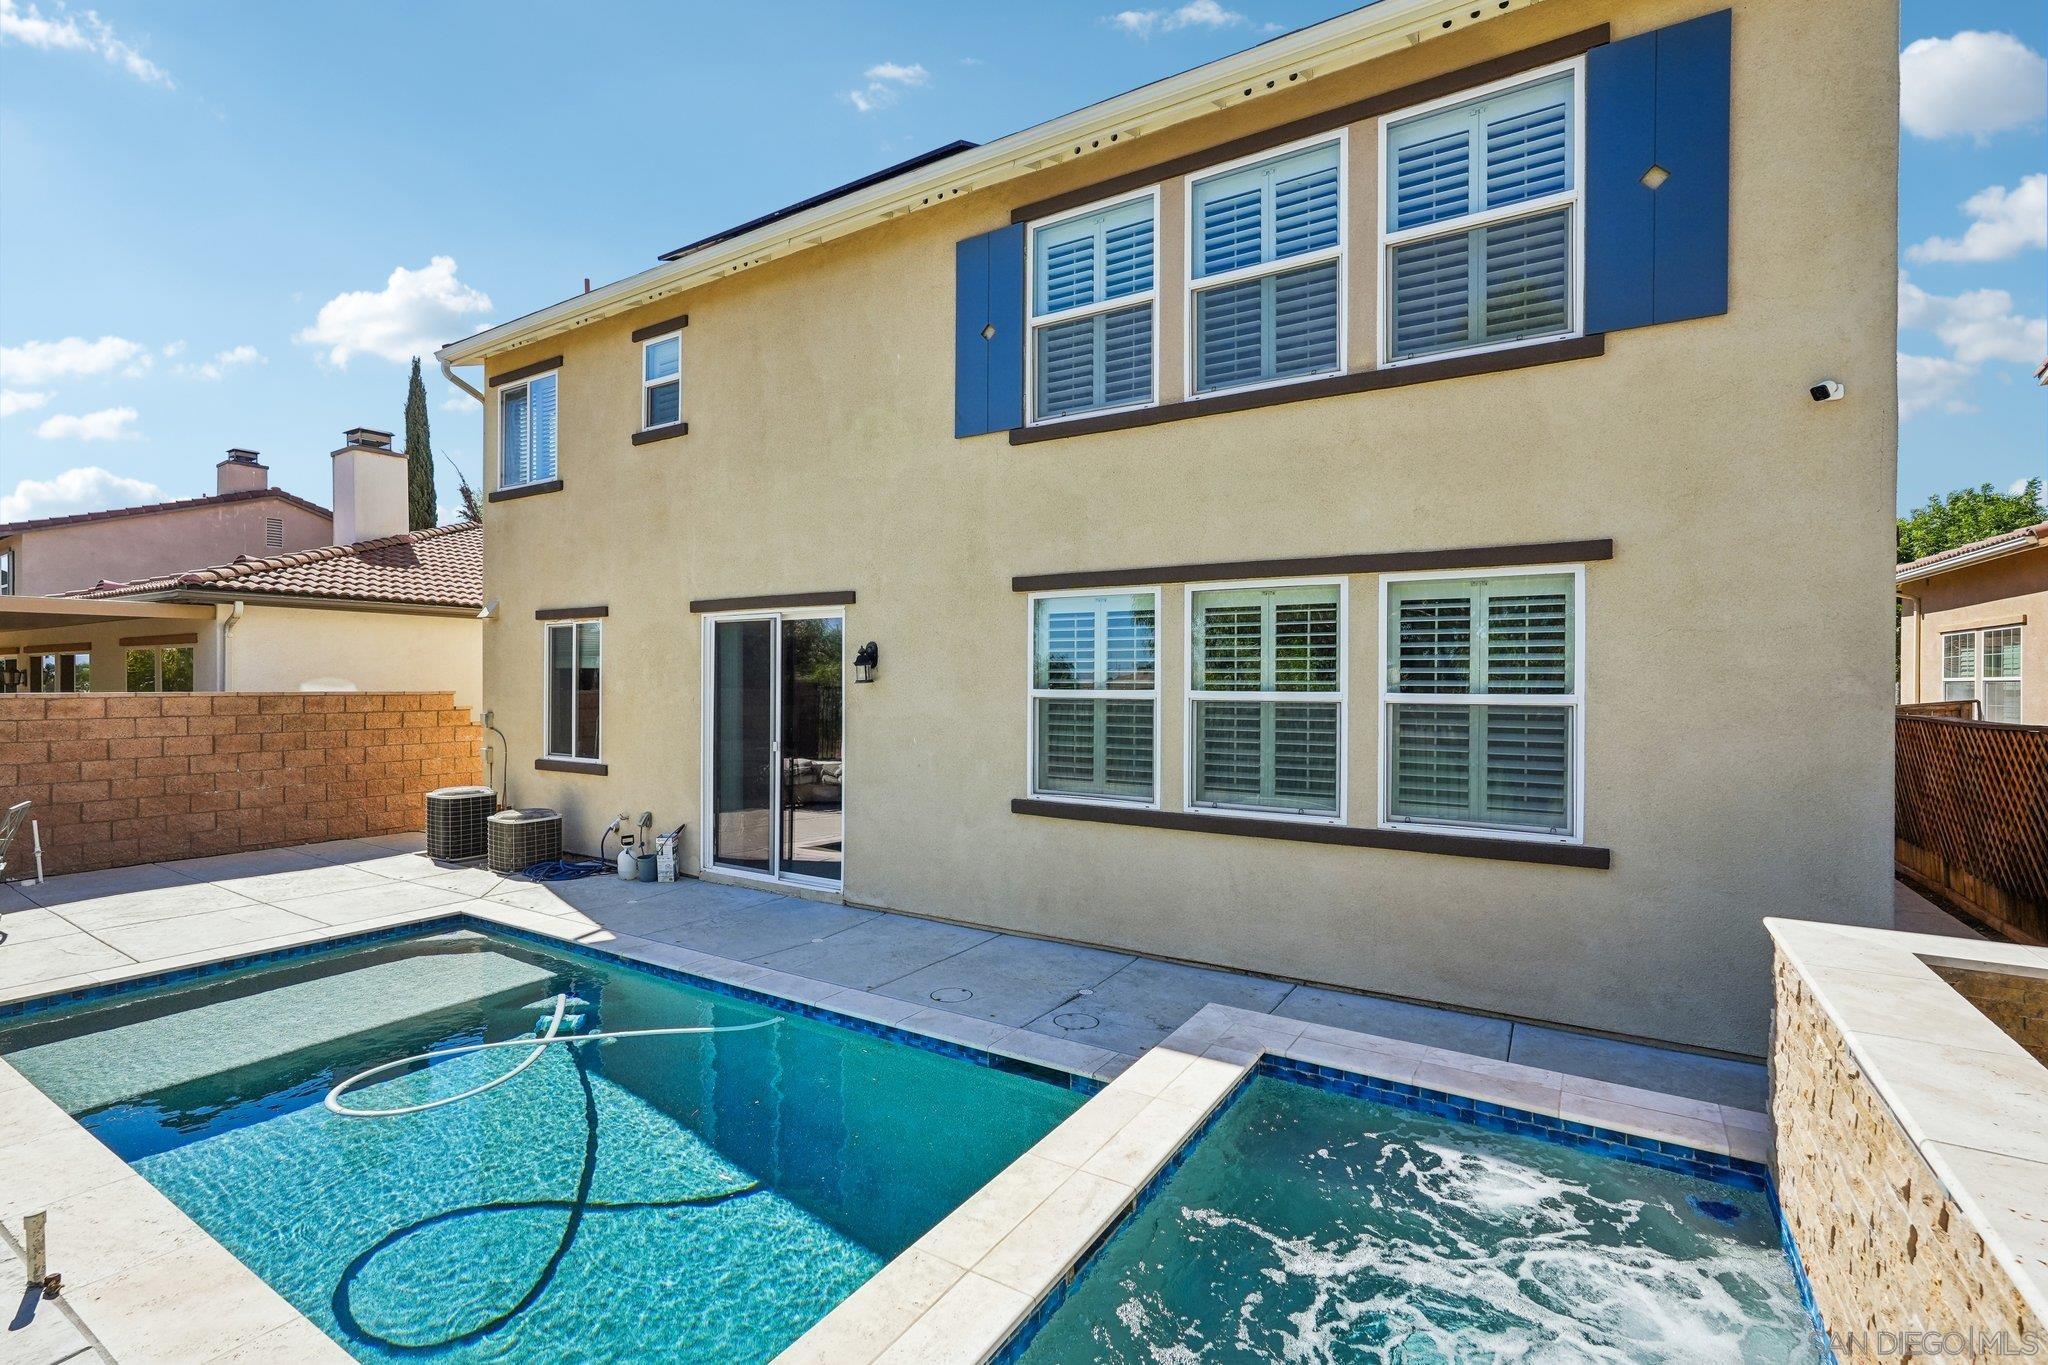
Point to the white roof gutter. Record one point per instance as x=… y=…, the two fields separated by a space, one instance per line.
x=1913 y=573
x=1333 y=45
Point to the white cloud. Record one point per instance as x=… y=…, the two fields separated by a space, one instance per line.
x=459 y=402
x=108 y=424
x=173 y=349
x=20 y=400
x=90 y=489
x=2006 y=222
x=2017 y=486
x=22 y=22
x=1973 y=84
x=1927 y=382
x=415 y=311
x=233 y=358
x=39 y=362
x=886 y=82
x=1977 y=326
x=1143 y=23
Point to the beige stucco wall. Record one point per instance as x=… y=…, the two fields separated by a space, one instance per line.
x=56 y=559
x=818 y=391
x=2008 y=591
x=299 y=649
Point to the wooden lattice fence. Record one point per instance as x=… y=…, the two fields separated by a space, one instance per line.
x=1971 y=811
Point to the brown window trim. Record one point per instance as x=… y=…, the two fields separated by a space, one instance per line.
x=661 y=329
x=1373 y=106
x=653 y=434
x=1379 y=561
x=553 y=362
x=774 y=600
x=71 y=647
x=139 y=641
x=525 y=490
x=1358 y=381
x=1350 y=836
x=571 y=613
x=571 y=765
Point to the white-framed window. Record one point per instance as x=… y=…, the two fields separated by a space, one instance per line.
x=1482 y=701
x=1983 y=666
x=661 y=381
x=575 y=706
x=1481 y=234
x=1094 y=309
x=6 y=573
x=1266 y=689
x=526 y=432
x=158 y=668
x=1094 y=696
x=1266 y=268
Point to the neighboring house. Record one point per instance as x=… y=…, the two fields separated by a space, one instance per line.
x=1975 y=626
x=385 y=610
x=1299 y=509
x=245 y=515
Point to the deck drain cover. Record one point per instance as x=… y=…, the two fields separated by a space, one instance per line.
x=952 y=995
x=1074 y=1023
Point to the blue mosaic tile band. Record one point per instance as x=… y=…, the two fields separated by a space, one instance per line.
x=92 y=995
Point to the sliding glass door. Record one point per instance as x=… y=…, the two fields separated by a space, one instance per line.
x=776 y=746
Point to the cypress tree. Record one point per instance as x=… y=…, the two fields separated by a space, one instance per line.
x=419 y=456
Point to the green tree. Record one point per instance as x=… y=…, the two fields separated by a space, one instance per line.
x=472 y=509
x=419 y=456
x=1965 y=515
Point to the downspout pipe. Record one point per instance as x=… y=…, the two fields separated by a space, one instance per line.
x=227 y=624
x=448 y=373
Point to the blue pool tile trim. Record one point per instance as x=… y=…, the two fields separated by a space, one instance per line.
x=92 y=995
x=1716 y=1167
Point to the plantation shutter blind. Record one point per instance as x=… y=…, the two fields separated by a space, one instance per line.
x=512 y=461
x=1278 y=324
x=541 y=394
x=1279 y=747
x=1094 y=669
x=1103 y=359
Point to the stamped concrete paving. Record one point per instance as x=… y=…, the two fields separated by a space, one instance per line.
x=72 y=931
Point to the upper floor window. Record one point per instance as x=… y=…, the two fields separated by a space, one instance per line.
x=1983 y=665
x=1094 y=695
x=6 y=573
x=1481 y=222
x=526 y=432
x=1266 y=698
x=1266 y=264
x=1093 y=309
x=661 y=381
x=574 y=707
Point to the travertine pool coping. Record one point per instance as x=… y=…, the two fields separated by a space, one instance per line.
x=151 y=1284
x=1968 y=1097
x=961 y=1291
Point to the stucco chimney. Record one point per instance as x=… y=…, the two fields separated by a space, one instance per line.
x=240 y=472
x=370 y=497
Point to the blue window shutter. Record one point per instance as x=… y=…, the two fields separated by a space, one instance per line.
x=988 y=332
x=1658 y=99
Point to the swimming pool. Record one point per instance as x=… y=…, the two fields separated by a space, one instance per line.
x=1310 y=1225
x=696 y=1197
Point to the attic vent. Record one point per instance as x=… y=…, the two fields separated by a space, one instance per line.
x=273 y=533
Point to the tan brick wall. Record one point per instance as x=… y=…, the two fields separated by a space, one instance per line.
x=125 y=779
x=1885 y=1248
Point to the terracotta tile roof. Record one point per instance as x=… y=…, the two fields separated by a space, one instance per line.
x=439 y=567
x=149 y=508
x=2018 y=539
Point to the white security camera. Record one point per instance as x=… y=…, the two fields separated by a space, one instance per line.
x=1827 y=391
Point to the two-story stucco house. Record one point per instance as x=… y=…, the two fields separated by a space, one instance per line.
x=1294 y=516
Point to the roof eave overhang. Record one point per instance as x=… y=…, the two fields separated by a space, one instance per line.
x=1914 y=573
x=1334 y=45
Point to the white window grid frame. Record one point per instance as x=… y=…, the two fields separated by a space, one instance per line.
x=1574 y=198
x=1575 y=699
x=1341 y=697
x=1980 y=677
x=647 y=386
x=1339 y=253
x=504 y=397
x=7 y=572
x=547 y=732
x=1034 y=320
x=156 y=663
x=1034 y=693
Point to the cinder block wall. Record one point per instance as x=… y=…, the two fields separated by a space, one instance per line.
x=132 y=778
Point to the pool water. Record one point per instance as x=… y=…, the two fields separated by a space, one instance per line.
x=679 y=1198
x=1313 y=1226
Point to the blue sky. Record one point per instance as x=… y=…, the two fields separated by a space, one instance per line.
x=227 y=225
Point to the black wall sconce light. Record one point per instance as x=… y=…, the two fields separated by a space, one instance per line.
x=864 y=661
